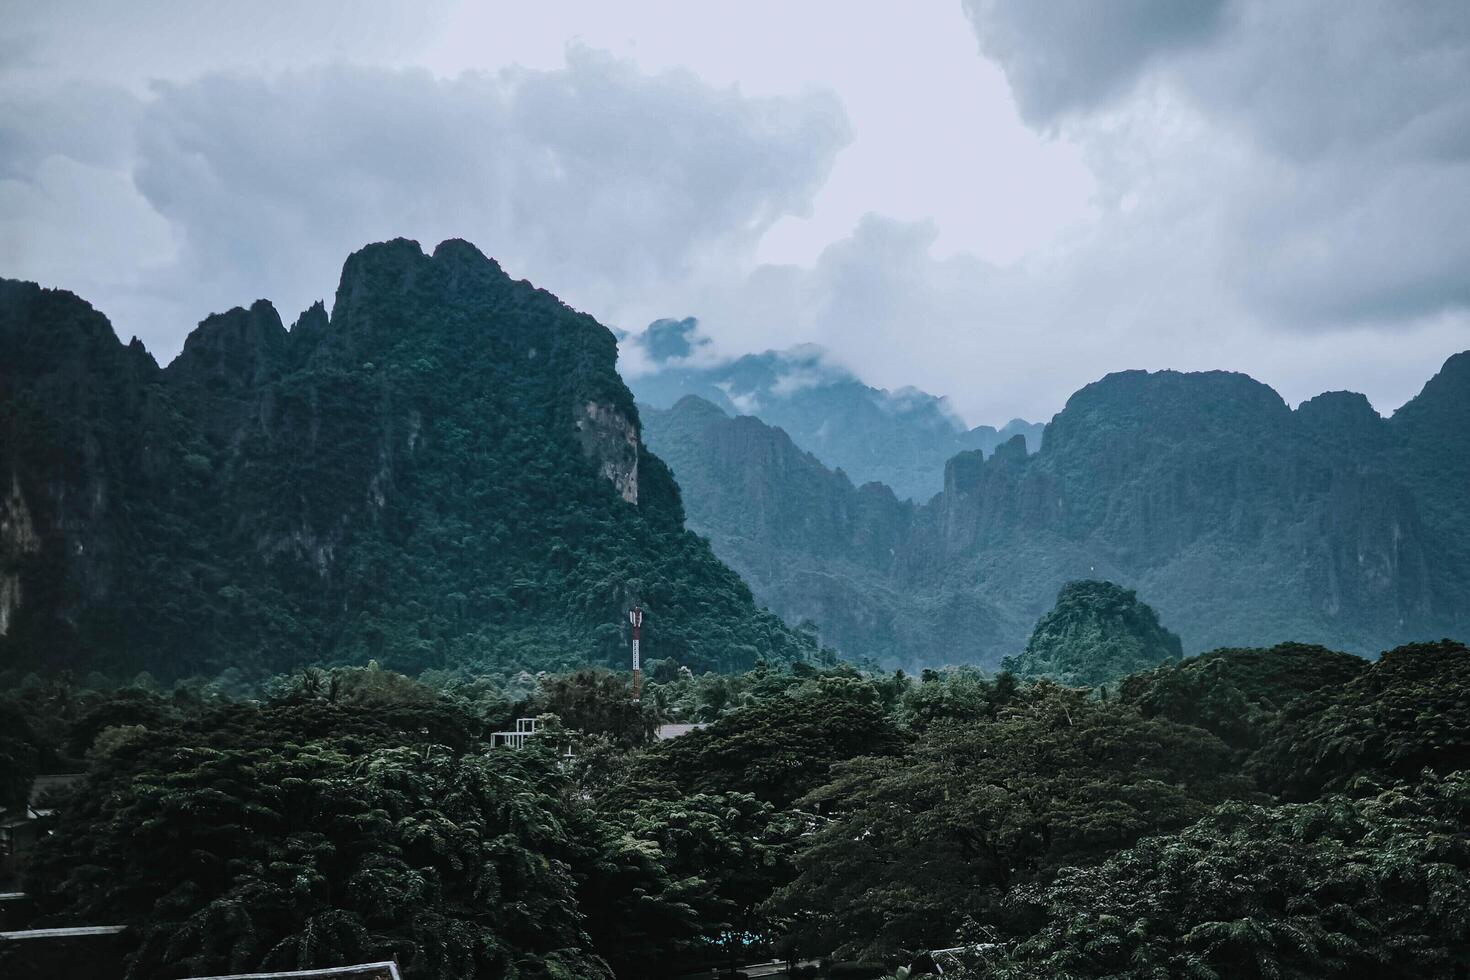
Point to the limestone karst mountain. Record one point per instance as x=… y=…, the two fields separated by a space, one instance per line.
x=1241 y=520
x=445 y=469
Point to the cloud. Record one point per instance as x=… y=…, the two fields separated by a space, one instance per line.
x=596 y=180
x=672 y=340
x=1317 y=76
x=1071 y=55
x=1330 y=141
x=86 y=122
x=1015 y=341
x=1279 y=188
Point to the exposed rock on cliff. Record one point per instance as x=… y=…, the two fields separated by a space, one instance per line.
x=611 y=442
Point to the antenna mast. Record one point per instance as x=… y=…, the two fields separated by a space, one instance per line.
x=635 y=618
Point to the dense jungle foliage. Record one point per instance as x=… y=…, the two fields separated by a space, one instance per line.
x=1247 y=813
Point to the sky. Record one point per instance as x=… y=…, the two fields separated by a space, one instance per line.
x=994 y=200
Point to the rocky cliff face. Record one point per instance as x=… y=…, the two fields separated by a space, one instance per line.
x=1243 y=522
x=610 y=440
x=18 y=541
x=446 y=468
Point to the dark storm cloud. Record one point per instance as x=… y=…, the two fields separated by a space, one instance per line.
x=1315 y=77
x=1077 y=54
x=1341 y=170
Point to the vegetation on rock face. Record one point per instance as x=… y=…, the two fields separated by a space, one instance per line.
x=812 y=546
x=445 y=471
x=1096 y=633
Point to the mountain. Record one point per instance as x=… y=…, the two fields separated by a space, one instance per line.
x=444 y=470
x=1097 y=632
x=1242 y=521
x=901 y=438
x=813 y=547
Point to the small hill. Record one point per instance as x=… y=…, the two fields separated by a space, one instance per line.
x=1096 y=633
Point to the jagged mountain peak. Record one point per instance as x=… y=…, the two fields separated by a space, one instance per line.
x=44 y=330
x=1168 y=408
x=237 y=347
x=456 y=271
x=1444 y=402
x=1342 y=414
x=313 y=320
x=1096 y=632
x=1349 y=405
x=1241 y=520
x=693 y=405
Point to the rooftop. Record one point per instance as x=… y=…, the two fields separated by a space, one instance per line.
x=386 y=970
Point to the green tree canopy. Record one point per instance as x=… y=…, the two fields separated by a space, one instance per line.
x=1096 y=633
x=782 y=747
x=912 y=845
x=1408 y=712
x=1335 y=888
x=1234 y=692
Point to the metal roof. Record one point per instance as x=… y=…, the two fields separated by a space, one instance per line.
x=53 y=781
x=64 y=933
x=386 y=970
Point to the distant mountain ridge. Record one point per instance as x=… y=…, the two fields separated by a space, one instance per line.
x=444 y=470
x=901 y=438
x=1243 y=522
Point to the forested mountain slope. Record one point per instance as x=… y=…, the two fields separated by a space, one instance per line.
x=445 y=470
x=1241 y=521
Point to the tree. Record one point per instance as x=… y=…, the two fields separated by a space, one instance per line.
x=730 y=851
x=1408 y=712
x=782 y=747
x=912 y=845
x=1340 y=887
x=297 y=855
x=956 y=694
x=599 y=702
x=19 y=756
x=1236 y=692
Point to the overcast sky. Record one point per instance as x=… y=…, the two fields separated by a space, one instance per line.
x=995 y=200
